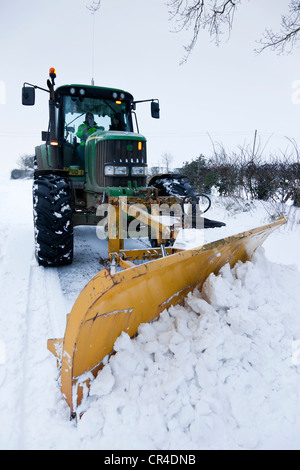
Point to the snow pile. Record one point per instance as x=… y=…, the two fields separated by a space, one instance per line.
x=217 y=373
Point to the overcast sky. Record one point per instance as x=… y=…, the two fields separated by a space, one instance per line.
x=222 y=93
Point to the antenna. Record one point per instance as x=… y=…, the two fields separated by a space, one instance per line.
x=93 y=8
x=93 y=49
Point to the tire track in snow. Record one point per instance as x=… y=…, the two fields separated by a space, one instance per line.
x=16 y=241
x=15 y=280
x=29 y=393
x=41 y=398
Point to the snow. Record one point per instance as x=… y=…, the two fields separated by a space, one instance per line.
x=220 y=372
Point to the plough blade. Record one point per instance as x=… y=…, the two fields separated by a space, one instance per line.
x=110 y=304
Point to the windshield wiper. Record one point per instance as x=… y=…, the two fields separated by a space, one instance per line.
x=67 y=125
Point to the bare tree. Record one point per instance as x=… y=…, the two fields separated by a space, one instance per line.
x=203 y=14
x=26 y=161
x=216 y=16
x=167 y=159
x=94 y=6
x=289 y=34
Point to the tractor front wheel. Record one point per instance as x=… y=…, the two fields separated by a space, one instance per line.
x=52 y=211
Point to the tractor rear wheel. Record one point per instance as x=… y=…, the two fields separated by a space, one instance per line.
x=52 y=210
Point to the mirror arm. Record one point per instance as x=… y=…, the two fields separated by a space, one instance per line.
x=154 y=106
x=35 y=86
x=144 y=101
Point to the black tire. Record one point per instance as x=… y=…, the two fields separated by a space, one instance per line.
x=52 y=212
x=194 y=201
x=172 y=184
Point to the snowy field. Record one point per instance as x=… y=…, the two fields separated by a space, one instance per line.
x=222 y=372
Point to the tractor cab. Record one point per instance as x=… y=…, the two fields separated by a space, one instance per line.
x=91 y=136
x=86 y=112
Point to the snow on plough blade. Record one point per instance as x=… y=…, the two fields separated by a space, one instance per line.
x=112 y=303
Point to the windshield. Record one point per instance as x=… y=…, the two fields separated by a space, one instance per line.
x=108 y=115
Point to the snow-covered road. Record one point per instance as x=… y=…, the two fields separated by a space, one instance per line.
x=222 y=372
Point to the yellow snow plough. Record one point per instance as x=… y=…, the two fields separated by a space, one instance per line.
x=112 y=303
x=91 y=170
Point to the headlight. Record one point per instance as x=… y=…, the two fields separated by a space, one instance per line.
x=108 y=170
x=138 y=170
x=113 y=170
x=121 y=170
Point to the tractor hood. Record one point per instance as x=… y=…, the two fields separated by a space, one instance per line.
x=115 y=135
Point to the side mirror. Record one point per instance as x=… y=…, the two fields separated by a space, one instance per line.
x=28 y=95
x=155 y=109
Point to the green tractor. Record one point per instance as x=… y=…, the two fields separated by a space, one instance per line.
x=90 y=153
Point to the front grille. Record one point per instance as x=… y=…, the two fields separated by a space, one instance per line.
x=120 y=152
